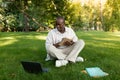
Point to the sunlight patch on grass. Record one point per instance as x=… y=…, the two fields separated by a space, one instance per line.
x=109 y=44
x=6 y=38
x=107 y=39
x=25 y=37
x=116 y=34
x=41 y=37
x=7 y=41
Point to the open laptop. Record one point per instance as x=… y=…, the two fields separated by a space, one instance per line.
x=33 y=67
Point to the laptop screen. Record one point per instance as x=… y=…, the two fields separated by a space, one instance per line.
x=31 y=67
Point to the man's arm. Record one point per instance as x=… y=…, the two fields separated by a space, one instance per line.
x=74 y=38
x=49 y=40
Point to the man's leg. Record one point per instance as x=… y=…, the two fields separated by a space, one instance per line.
x=75 y=50
x=56 y=53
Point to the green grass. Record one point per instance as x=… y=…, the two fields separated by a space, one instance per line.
x=102 y=49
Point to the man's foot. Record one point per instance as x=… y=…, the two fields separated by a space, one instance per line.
x=79 y=59
x=60 y=63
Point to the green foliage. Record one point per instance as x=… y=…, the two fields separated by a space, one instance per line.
x=112 y=15
x=101 y=49
x=89 y=15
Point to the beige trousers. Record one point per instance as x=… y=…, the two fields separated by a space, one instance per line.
x=69 y=53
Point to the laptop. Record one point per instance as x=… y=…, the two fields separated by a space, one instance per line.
x=33 y=67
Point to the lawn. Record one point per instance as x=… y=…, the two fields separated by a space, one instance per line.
x=102 y=49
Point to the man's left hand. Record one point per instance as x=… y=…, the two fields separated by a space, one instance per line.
x=68 y=43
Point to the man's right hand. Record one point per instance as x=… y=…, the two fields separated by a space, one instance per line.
x=57 y=45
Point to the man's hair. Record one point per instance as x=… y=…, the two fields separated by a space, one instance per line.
x=59 y=17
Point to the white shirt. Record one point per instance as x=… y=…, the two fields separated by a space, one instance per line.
x=54 y=36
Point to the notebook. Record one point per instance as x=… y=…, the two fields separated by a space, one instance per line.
x=96 y=72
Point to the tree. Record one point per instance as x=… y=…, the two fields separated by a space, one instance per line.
x=112 y=15
x=27 y=15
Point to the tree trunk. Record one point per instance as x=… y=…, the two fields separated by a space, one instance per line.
x=26 y=23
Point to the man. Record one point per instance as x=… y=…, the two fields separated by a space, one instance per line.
x=63 y=44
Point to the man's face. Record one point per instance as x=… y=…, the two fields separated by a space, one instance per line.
x=60 y=25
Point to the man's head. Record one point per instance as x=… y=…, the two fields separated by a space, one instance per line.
x=60 y=24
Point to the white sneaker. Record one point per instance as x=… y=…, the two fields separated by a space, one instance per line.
x=60 y=63
x=79 y=59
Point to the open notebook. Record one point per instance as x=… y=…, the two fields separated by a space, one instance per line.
x=96 y=72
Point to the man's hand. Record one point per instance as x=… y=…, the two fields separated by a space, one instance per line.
x=66 y=42
x=57 y=44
